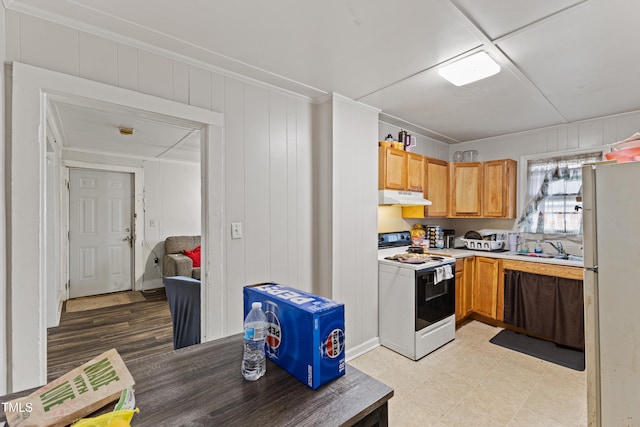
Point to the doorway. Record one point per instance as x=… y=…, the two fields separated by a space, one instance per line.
x=101 y=234
x=29 y=91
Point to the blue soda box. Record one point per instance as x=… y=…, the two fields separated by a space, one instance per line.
x=305 y=334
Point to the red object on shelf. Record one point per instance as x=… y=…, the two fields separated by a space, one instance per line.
x=626 y=155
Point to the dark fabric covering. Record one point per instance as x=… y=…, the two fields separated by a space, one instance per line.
x=183 y=294
x=552 y=307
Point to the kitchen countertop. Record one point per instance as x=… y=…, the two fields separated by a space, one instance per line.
x=464 y=253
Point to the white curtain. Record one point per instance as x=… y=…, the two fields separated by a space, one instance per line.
x=552 y=186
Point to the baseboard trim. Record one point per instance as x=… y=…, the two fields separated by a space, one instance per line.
x=363 y=348
x=151 y=284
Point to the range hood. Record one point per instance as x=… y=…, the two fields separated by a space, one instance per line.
x=401 y=198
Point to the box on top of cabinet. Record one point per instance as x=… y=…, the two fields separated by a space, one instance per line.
x=305 y=333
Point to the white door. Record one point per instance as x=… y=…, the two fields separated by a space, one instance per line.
x=100 y=232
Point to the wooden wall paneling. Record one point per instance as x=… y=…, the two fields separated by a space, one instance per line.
x=323 y=194
x=181 y=82
x=48 y=45
x=304 y=181
x=199 y=87
x=344 y=287
x=11 y=36
x=4 y=330
x=354 y=229
x=610 y=128
x=155 y=75
x=552 y=140
x=590 y=134
x=573 y=137
x=127 y=67
x=278 y=186
x=234 y=199
x=256 y=195
x=294 y=245
x=623 y=127
x=98 y=59
x=366 y=245
x=217 y=92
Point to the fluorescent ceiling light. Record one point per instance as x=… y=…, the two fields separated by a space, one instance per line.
x=470 y=69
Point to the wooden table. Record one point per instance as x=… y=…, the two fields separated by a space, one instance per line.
x=202 y=385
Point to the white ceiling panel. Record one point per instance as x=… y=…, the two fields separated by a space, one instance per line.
x=500 y=17
x=352 y=48
x=586 y=61
x=563 y=60
x=97 y=129
x=497 y=105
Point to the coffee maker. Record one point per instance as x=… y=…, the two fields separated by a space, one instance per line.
x=449 y=238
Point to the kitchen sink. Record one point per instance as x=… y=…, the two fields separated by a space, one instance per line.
x=552 y=256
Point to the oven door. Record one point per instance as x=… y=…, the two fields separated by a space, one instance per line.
x=434 y=302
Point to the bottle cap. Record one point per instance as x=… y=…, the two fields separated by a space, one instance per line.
x=256 y=304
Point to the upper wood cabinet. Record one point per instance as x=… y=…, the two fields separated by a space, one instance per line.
x=415 y=172
x=436 y=189
x=400 y=170
x=499 y=196
x=392 y=169
x=466 y=189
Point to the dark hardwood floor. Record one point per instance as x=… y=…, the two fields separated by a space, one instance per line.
x=135 y=330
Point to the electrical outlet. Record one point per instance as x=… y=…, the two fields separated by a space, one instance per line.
x=156 y=260
x=236 y=230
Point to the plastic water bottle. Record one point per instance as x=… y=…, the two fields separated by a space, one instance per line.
x=254 y=365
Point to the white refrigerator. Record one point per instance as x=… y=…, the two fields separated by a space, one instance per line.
x=611 y=227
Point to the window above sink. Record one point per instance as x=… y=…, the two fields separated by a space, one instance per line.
x=553 y=196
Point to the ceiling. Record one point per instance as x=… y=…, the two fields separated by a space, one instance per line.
x=91 y=126
x=562 y=60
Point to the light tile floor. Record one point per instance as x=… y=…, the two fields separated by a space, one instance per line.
x=471 y=382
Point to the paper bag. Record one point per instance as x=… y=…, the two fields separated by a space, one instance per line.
x=74 y=395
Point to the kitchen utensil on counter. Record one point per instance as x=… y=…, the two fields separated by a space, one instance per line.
x=449 y=238
x=514 y=240
x=474 y=235
x=450 y=241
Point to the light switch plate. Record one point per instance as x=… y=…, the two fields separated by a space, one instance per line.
x=236 y=230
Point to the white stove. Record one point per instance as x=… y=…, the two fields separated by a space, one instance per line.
x=417 y=297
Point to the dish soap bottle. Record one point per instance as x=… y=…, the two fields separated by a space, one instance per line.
x=538 y=247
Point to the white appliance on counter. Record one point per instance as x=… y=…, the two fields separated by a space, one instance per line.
x=611 y=212
x=416 y=300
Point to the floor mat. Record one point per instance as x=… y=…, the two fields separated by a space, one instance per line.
x=541 y=349
x=99 y=301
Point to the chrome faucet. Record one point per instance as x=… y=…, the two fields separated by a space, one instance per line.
x=558 y=247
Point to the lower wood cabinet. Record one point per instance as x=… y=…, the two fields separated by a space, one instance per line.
x=464 y=281
x=488 y=288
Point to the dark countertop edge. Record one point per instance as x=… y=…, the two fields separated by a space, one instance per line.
x=384 y=391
